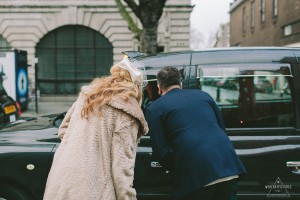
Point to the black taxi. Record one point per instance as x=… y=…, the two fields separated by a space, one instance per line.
x=258 y=93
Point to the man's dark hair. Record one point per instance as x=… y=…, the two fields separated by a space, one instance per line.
x=168 y=76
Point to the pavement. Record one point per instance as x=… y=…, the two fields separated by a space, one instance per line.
x=47 y=107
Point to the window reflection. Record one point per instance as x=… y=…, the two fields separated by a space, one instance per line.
x=150 y=91
x=250 y=96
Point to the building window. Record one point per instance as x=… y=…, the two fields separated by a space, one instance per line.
x=287 y=30
x=160 y=49
x=244 y=19
x=262 y=10
x=275 y=8
x=252 y=14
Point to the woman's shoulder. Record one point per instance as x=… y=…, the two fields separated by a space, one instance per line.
x=131 y=107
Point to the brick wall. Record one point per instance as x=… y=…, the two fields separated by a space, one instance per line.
x=269 y=32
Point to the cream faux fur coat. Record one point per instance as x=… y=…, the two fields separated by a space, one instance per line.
x=96 y=157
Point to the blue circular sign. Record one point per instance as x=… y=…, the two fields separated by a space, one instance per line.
x=22 y=82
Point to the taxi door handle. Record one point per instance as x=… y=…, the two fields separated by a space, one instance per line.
x=155 y=164
x=294 y=166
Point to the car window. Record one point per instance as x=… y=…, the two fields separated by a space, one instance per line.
x=150 y=90
x=253 y=95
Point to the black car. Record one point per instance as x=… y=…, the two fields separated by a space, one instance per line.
x=262 y=121
x=9 y=109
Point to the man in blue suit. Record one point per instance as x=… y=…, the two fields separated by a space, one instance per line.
x=187 y=131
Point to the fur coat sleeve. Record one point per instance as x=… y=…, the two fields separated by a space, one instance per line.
x=123 y=148
x=65 y=123
x=123 y=151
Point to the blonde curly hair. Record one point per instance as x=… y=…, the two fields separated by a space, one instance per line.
x=105 y=88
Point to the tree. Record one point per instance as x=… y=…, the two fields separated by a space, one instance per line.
x=148 y=12
x=197 y=39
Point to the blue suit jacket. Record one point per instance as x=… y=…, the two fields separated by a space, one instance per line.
x=187 y=131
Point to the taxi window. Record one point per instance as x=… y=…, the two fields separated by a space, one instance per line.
x=150 y=89
x=254 y=95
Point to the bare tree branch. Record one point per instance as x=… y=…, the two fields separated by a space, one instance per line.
x=131 y=24
x=134 y=7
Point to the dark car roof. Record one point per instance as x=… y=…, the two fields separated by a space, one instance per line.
x=220 y=55
x=29 y=134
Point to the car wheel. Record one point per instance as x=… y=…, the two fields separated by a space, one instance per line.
x=9 y=192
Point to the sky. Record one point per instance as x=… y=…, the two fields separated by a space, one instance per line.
x=208 y=15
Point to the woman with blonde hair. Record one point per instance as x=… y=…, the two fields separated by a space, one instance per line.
x=99 y=137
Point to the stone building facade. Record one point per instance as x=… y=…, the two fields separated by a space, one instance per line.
x=72 y=41
x=265 y=23
x=222 y=36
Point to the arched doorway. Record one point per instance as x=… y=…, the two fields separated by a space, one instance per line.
x=71 y=56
